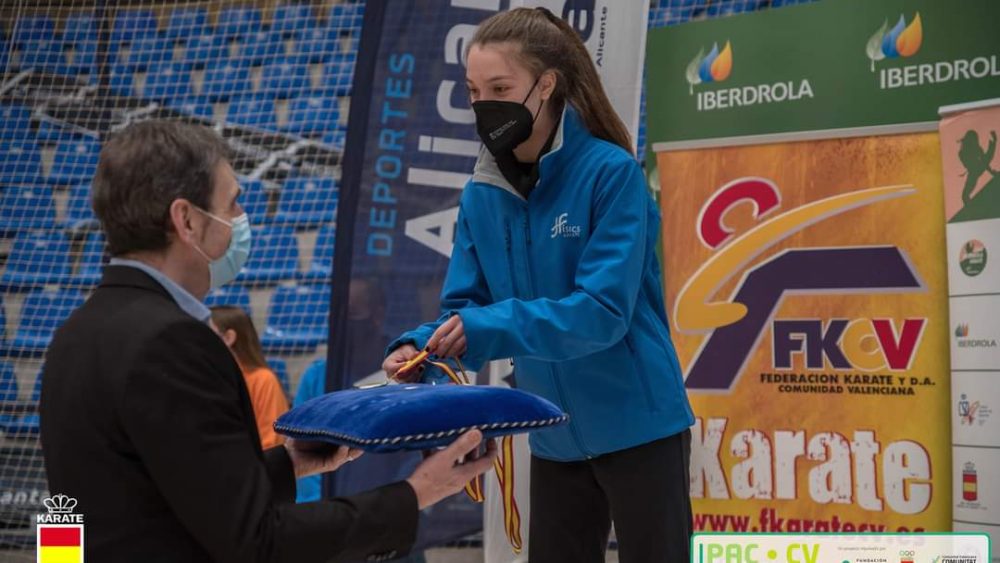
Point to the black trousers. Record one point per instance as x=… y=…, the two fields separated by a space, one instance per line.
x=644 y=490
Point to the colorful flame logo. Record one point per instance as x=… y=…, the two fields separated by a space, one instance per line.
x=716 y=66
x=901 y=41
x=962 y=331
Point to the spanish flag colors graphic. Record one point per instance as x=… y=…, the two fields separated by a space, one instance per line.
x=60 y=543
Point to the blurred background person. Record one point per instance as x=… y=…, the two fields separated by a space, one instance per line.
x=269 y=402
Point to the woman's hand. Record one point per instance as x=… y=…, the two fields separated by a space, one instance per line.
x=448 y=340
x=398 y=358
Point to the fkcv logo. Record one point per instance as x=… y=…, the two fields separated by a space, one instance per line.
x=59 y=537
x=901 y=41
x=734 y=327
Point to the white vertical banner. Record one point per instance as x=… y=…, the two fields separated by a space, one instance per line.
x=971 y=172
x=496 y=546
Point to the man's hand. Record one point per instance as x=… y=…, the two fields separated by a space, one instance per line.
x=311 y=458
x=449 y=339
x=397 y=359
x=447 y=471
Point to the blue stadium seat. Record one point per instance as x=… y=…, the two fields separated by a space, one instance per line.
x=185 y=22
x=24 y=208
x=292 y=18
x=54 y=131
x=275 y=258
x=15 y=123
x=4 y=56
x=252 y=110
x=254 y=201
x=20 y=162
x=166 y=81
x=316 y=45
x=42 y=312
x=79 y=212
x=74 y=161
x=8 y=384
x=296 y=320
x=205 y=51
x=133 y=24
x=321 y=267
x=79 y=29
x=337 y=78
x=346 y=17
x=9 y=397
x=307 y=202
x=312 y=114
x=658 y=17
x=235 y=23
x=230 y=295
x=285 y=78
x=197 y=106
x=48 y=56
x=38 y=258
x=16 y=426
x=91 y=265
x=350 y=57
x=336 y=138
x=121 y=80
x=32 y=29
x=280 y=369
x=222 y=82
x=262 y=47
x=84 y=59
x=727 y=8
x=148 y=51
x=26 y=425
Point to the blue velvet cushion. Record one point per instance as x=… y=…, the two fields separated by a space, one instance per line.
x=416 y=416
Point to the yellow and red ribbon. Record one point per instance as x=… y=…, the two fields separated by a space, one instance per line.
x=503 y=465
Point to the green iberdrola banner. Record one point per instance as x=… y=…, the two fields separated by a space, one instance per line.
x=830 y=65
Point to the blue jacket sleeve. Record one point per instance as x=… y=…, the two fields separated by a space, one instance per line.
x=597 y=314
x=464 y=287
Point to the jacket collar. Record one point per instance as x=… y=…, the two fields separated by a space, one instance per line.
x=127 y=276
x=570 y=135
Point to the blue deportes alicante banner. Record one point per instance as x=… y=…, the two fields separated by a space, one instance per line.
x=411 y=145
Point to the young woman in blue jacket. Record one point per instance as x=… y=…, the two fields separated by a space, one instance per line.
x=554 y=265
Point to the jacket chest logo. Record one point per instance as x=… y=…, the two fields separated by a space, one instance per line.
x=562 y=228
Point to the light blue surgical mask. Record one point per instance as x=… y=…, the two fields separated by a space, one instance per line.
x=225 y=268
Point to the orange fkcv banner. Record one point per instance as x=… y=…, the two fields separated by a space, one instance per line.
x=806 y=288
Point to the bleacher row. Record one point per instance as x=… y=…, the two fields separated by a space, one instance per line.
x=159 y=65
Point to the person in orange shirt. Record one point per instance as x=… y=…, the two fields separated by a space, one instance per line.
x=268 y=399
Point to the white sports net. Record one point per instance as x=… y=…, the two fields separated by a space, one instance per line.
x=273 y=77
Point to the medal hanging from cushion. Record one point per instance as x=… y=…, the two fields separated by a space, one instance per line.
x=503 y=465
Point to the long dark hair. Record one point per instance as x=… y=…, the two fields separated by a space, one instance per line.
x=548 y=43
x=247 y=348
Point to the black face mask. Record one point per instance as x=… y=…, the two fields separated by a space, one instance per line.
x=504 y=125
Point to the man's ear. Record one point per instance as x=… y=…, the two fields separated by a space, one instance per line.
x=182 y=220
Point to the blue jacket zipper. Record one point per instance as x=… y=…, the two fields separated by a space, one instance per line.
x=554 y=369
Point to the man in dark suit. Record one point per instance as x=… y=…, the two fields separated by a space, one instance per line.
x=145 y=417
